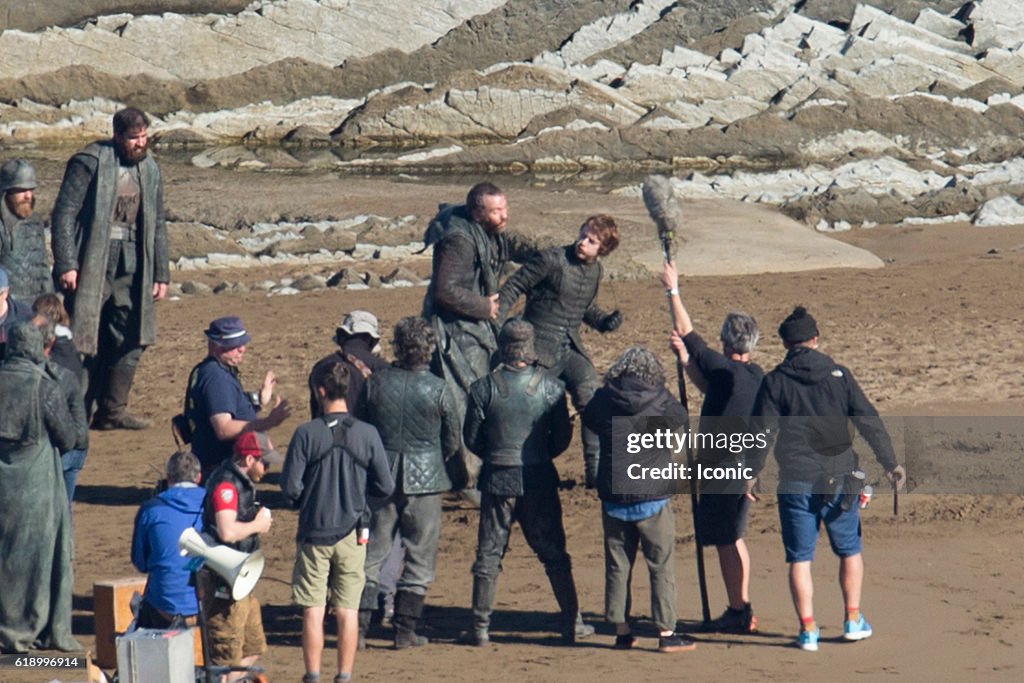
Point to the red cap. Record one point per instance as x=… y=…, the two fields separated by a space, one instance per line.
x=258 y=445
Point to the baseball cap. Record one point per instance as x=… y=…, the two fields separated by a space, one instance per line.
x=228 y=332
x=258 y=445
x=359 y=322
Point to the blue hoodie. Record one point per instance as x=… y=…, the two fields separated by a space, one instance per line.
x=158 y=525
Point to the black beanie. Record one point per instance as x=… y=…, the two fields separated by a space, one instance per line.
x=798 y=327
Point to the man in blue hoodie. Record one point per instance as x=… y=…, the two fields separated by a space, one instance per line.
x=168 y=596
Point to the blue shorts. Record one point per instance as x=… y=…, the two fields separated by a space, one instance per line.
x=801 y=514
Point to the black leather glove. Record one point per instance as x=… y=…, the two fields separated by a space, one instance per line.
x=611 y=322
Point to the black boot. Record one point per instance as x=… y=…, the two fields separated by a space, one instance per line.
x=367 y=606
x=733 y=621
x=364 y=626
x=484 y=590
x=564 y=587
x=408 y=610
x=113 y=401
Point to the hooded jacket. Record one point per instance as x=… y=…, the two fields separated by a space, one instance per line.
x=820 y=398
x=158 y=525
x=626 y=397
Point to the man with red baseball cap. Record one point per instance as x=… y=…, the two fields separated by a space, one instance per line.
x=233 y=518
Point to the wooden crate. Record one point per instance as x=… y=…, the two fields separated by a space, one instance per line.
x=113 y=614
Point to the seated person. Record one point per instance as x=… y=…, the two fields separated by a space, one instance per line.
x=169 y=600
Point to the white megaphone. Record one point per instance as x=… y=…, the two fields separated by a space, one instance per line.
x=240 y=570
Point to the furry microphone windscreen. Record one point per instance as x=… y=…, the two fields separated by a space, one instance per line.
x=663 y=207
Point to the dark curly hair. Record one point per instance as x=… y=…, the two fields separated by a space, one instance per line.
x=638 y=362
x=414 y=342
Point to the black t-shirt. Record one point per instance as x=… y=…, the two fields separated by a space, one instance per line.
x=732 y=385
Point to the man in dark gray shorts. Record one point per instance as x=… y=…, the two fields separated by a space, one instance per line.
x=730 y=382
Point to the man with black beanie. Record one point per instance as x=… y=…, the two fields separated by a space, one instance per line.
x=818 y=467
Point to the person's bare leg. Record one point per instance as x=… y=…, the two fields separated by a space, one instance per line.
x=801 y=587
x=734 y=559
x=312 y=638
x=851 y=581
x=348 y=636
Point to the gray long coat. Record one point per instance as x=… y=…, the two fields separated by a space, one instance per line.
x=81 y=237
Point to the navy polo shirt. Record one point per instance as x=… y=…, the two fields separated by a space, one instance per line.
x=216 y=390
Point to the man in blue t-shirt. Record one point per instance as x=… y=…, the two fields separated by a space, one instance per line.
x=216 y=405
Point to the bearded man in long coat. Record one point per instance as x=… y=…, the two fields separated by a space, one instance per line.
x=110 y=259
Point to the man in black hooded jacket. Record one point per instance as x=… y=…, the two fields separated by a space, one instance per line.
x=817 y=465
x=640 y=516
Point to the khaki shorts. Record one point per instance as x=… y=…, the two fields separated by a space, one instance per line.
x=339 y=567
x=235 y=630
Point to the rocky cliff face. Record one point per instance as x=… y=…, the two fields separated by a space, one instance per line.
x=883 y=111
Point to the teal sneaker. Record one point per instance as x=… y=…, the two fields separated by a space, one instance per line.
x=808 y=640
x=856 y=630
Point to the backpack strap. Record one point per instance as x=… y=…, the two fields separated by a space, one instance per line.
x=359 y=365
x=183 y=427
x=339 y=428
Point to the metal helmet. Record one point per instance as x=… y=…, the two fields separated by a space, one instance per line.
x=17 y=174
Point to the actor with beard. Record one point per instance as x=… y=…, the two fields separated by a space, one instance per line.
x=22 y=235
x=110 y=259
x=471 y=252
x=560 y=286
